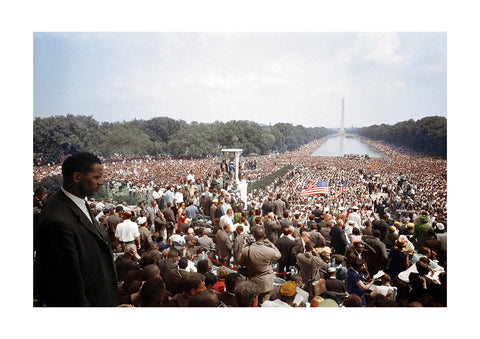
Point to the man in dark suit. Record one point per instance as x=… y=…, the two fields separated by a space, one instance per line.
x=272 y=227
x=170 y=220
x=338 y=240
x=112 y=222
x=213 y=209
x=74 y=261
x=333 y=284
x=279 y=206
x=224 y=245
x=267 y=206
x=285 y=245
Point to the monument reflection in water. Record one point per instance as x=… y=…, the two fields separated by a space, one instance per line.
x=340 y=145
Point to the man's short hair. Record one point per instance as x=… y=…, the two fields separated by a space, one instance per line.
x=152 y=293
x=191 y=281
x=231 y=281
x=183 y=263
x=150 y=257
x=79 y=162
x=258 y=232
x=206 y=298
x=150 y=272
x=202 y=266
x=210 y=279
x=245 y=293
x=173 y=253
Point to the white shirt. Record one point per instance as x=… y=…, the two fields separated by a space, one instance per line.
x=179 y=198
x=275 y=303
x=225 y=219
x=177 y=238
x=157 y=195
x=383 y=290
x=127 y=231
x=79 y=202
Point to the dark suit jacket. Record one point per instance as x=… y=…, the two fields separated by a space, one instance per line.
x=338 y=240
x=169 y=215
x=74 y=261
x=285 y=246
x=298 y=247
x=112 y=222
x=272 y=229
x=224 y=245
x=335 y=285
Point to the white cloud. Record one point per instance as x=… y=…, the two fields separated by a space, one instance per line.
x=380 y=47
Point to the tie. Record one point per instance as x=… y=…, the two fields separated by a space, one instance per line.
x=92 y=219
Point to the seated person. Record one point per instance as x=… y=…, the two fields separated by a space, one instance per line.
x=384 y=289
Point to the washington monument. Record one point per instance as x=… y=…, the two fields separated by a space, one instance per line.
x=342 y=131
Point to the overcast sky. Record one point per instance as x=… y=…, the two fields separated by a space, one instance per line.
x=298 y=78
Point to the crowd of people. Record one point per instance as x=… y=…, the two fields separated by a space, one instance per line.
x=195 y=241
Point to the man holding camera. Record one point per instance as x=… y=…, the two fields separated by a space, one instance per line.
x=258 y=259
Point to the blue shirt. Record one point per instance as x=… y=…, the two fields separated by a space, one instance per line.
x=352 y=287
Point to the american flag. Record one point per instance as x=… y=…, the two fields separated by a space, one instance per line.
x=341 y=190
x=320 y=187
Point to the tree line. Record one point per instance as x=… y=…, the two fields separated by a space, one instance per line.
x=427 y=135
x=57 y=136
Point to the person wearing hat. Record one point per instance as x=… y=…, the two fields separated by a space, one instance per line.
x=355 y=217
x=392 y=236
x=288 y=291
x=420 y=231
x=407 y=229
x=326 y=303
x=146 y=242
x=398 y=258
x=332 y=283
x=349 y=229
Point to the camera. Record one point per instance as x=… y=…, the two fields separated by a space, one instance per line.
x=250 y=240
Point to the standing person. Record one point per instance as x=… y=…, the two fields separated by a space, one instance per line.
x=145 y=238
x=258 y=260
x=238 y=243
x=213 y=209
x=127 y=231
x=285 y=245
x=272 y=227
x=152 y=212
x=355 y=284
x=311 y=266
x=112 y=222
x=170 y=219
x=224 y=244
x=279 y=206
x=398 y=258
x=181 y=217
x=338 y=240
x=420 y=232
x=74 y=260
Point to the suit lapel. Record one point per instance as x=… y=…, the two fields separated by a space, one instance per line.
x=82 y=218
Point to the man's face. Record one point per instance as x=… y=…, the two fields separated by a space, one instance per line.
x=90 y=182
x=201 y=287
